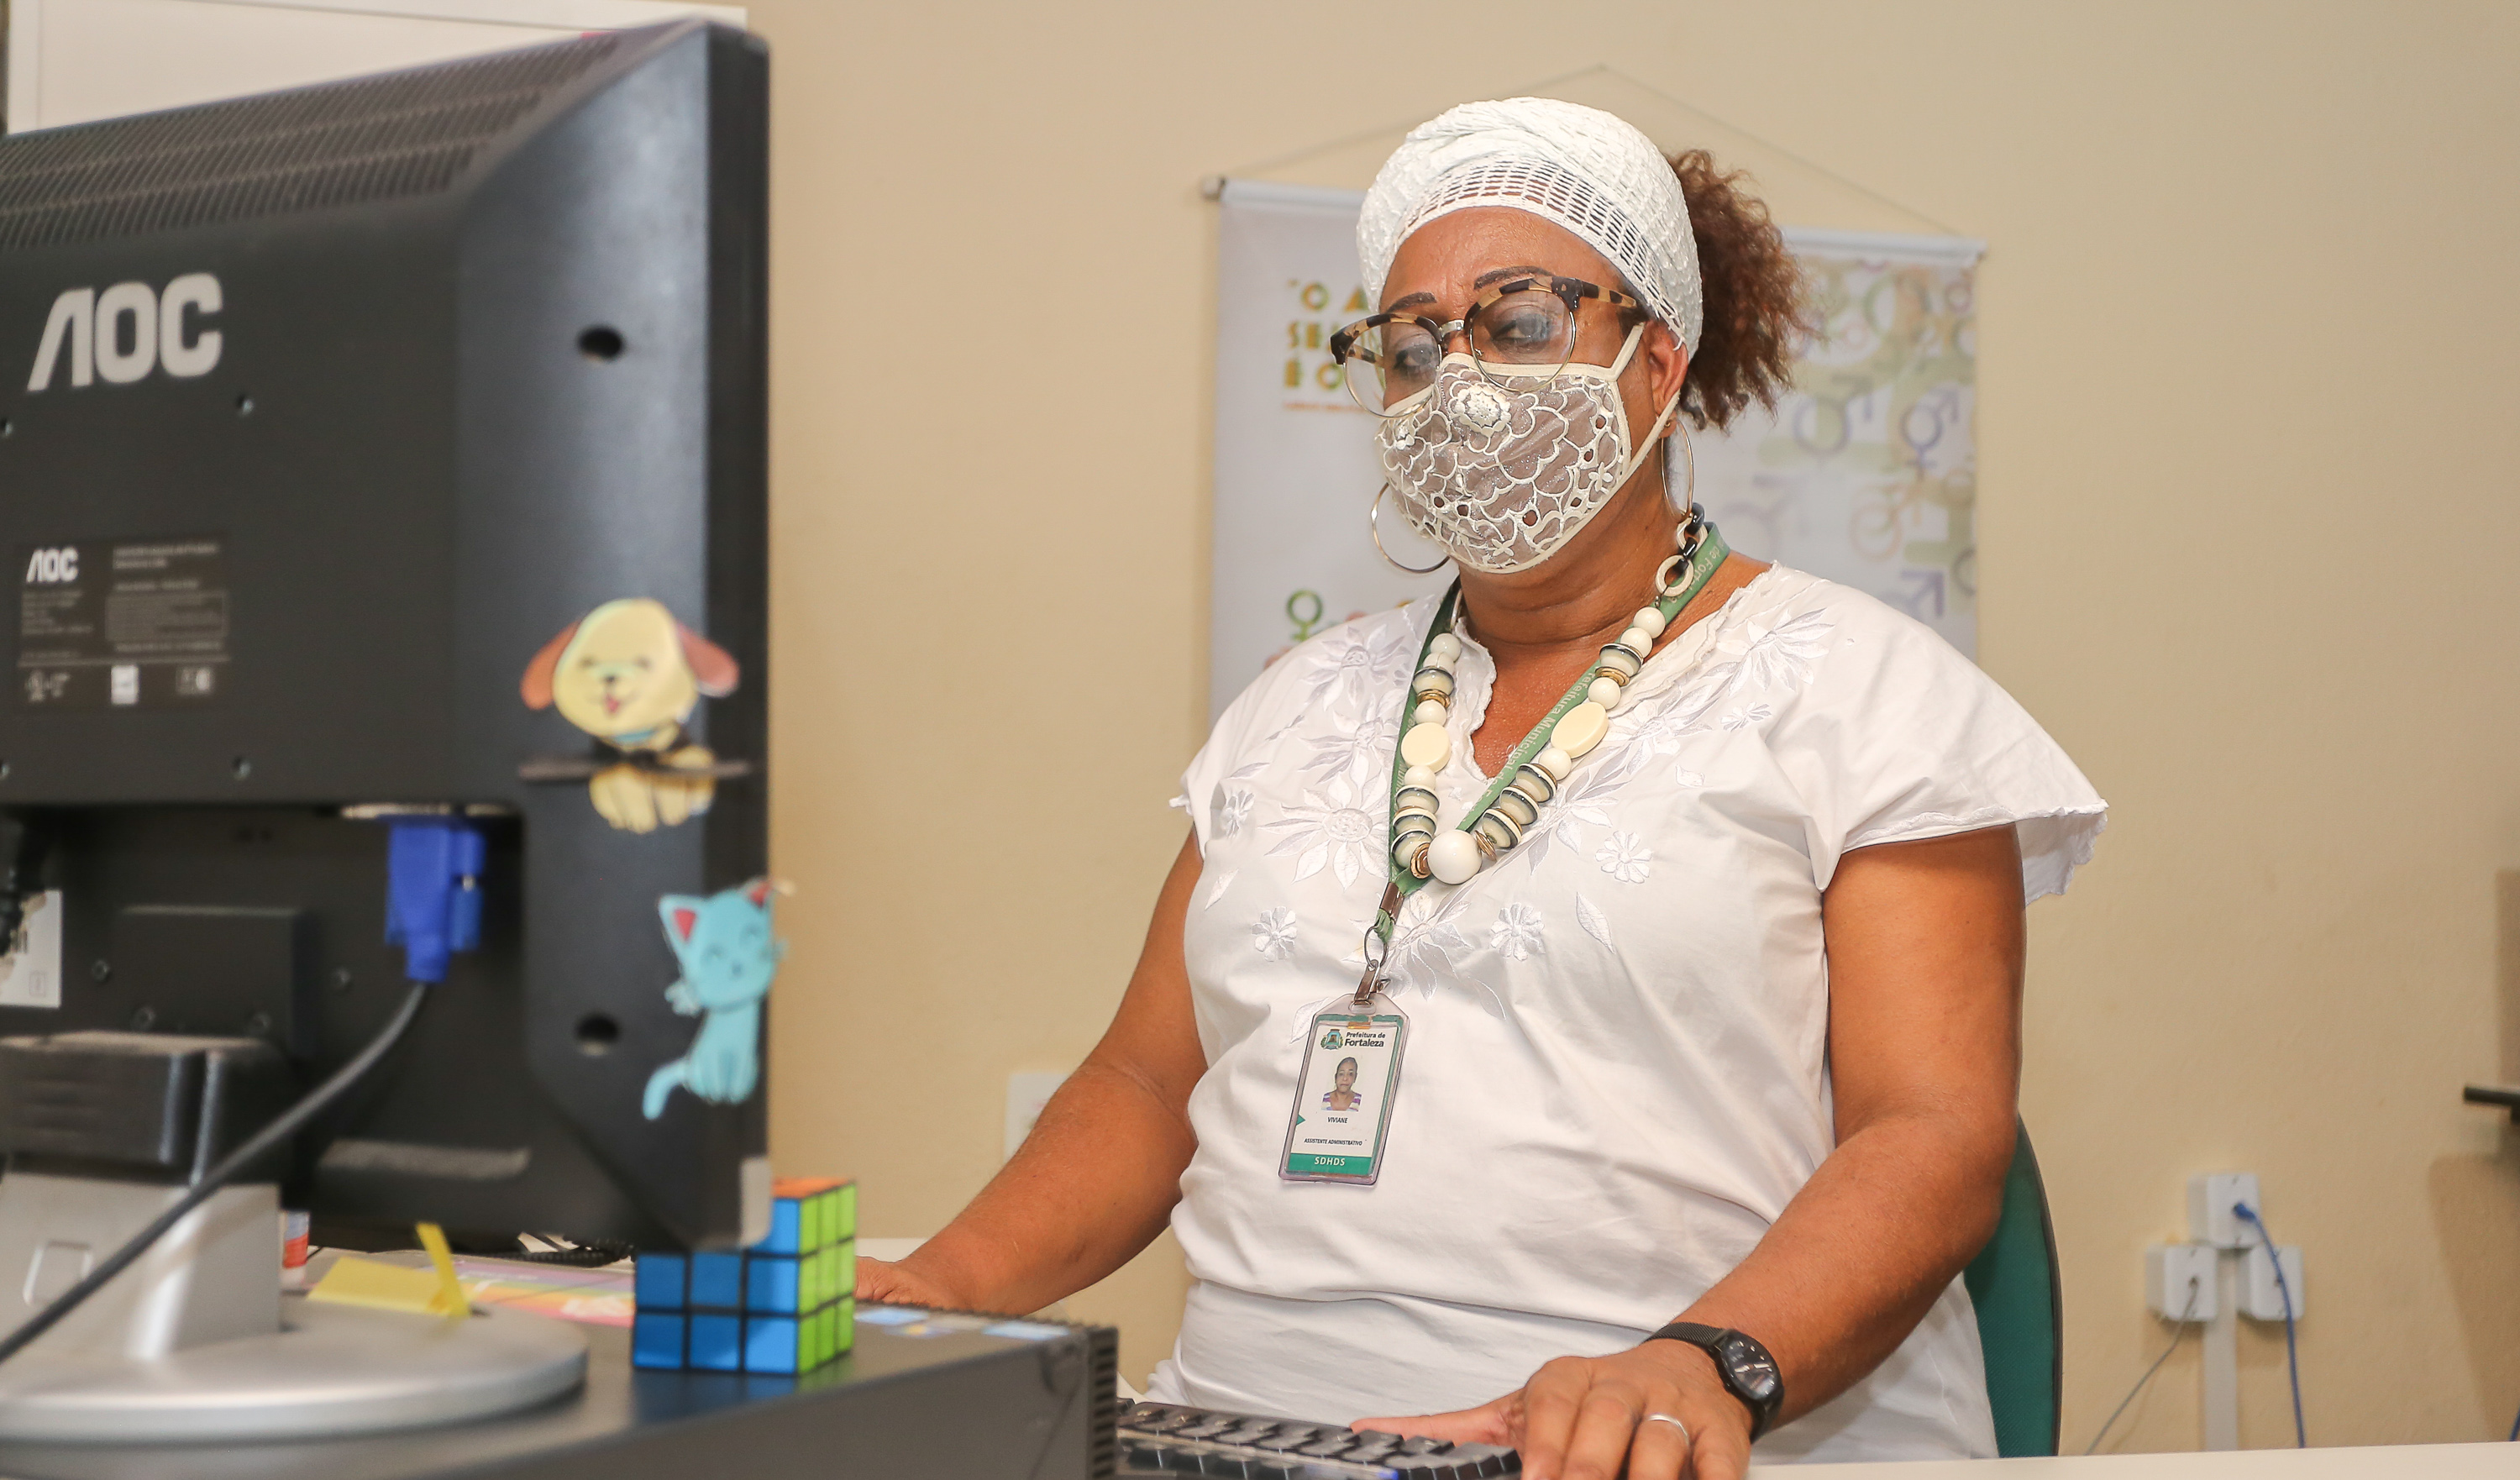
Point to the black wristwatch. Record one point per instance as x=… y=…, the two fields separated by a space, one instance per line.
x=1750 y=1374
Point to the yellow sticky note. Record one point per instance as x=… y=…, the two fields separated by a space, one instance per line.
x=372 y=1283
x=378 y=1286
x=450 y=1289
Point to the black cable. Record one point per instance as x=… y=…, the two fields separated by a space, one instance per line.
x=576 y=1253
x=246 y=1155
x=2176 y=1337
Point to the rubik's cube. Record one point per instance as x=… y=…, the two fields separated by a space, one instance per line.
x=786 y=1304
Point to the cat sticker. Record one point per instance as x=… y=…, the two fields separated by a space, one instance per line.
x=630 y=675
x=728 y=954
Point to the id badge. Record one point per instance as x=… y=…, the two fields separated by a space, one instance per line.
x=1343 y=1096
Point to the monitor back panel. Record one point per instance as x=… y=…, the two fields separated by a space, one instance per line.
x=481 y=352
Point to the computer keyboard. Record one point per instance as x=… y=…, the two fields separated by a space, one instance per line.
x=1162 y=1439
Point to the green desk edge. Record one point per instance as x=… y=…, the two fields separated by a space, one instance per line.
x=2020 y=1315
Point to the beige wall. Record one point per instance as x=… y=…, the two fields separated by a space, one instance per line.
x=2247 y=509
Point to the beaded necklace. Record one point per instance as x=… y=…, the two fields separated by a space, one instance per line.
x=1422 y=849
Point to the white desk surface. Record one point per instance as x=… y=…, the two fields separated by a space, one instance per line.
x=2415 y=1461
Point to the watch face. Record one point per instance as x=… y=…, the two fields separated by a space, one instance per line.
x=1752 y=1368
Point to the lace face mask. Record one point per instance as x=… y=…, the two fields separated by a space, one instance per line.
x=1501 y=469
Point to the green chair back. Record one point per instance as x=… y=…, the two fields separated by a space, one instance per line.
x=2020 y=1317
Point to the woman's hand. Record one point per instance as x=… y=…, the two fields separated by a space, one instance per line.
x=883 y=1282
x=1582 y=1417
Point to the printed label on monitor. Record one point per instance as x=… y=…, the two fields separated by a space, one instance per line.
x=122 y=624
x=30 y=969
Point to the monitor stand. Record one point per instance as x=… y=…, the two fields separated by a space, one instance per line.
x=197 y=1342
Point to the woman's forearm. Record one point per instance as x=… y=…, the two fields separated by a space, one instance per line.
x=1925 y=950
x=1098 y=1175
x=1091 y=1186
x=1865 y=1250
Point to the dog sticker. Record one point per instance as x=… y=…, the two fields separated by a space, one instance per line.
x=728 y=955
x=630 y=675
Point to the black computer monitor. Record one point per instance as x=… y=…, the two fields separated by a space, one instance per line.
x=386 y=457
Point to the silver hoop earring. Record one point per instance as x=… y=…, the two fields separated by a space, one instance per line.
x=1374 y=524
x=1679 y=505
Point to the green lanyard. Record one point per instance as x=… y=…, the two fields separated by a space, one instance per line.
x=1699 y=562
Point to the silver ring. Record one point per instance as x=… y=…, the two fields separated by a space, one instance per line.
x=1687 y=1439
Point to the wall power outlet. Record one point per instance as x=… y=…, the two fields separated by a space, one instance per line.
x=2210 y=1219
x=2178 y=1280
x=2261 y=1298
x=1026 y=1094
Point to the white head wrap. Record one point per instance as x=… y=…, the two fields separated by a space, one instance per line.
x=1589 y=171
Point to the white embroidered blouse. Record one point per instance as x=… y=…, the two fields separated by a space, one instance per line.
x=1616 y=1073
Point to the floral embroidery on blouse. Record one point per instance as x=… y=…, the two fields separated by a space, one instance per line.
x=1358 y=749
x=1364 y=661
x=1273 y=935
x=1228 y=810
x=1625 y=857
x=1585 y=797
x=1779 y=658
x=1596 y=924
x=1782 y=658
x=1431 y=951
x=1517 y=932
x=1327 y=755
x=1330 y=827
x=1229 y=806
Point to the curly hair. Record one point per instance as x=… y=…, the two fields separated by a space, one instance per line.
x=1756 y=309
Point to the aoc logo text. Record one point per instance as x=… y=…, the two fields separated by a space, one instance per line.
x=53 y=567
x=129 y=329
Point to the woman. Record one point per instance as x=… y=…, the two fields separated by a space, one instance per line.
x=1713 y=1016
x=1342 y=1094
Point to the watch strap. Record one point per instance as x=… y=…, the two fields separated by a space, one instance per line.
x=1714 y=1341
